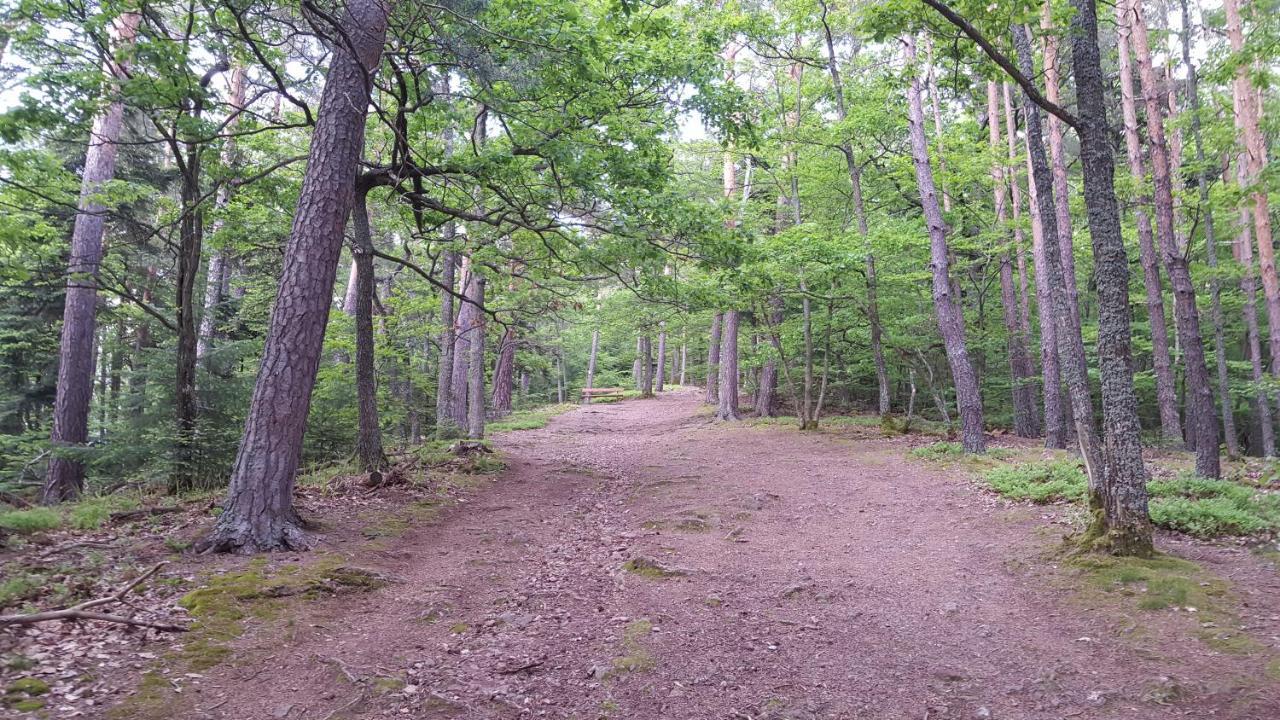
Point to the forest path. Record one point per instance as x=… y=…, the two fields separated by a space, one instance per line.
x=819 y=577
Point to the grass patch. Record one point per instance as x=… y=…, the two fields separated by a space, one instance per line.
x=1211 y=508
x=938 y=451
x=27 y=522
x=532 y=419
x=14 y=590
x=1039 y=482
x=92 y=513
x=637 y=657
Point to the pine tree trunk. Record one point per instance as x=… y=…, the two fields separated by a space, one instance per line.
x=259 y=513
x=591 y=362
x=444 y=375
x=661 y=378
x=1248 y=121
x=1125 y=522
x=504 y=374
x=1020 y=371
x=216 y=277
x=1166 y=391
x=637 y=365
x=646 y=366
x=946 y=305
x=466 y=318
x=684 y=360
x=1210 y=240
x=1243 y=249
x=475 y=371
x=369 y=450
x=767 y=399
x=65 y=478
x=1202 y=419
x=727 y=399
x=713 y=360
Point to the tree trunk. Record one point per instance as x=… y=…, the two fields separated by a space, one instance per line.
x=504 y=374
x=1125 y=522
x=591 y=362
x=1249 y=288
x=466 y=318
x=444 y=375
x=727 y=404
x=259 y=513
x=1166 y=390
x=1024 y=402
x=1202 y=419
x=1071 y=354
x=684 y=359
x=65 y=478
x=661 y=378
x=713 y=360
x=946 y=305
x=637 y=365
x=1210 y=240
x=216 y=277
x=1248 y=121
x=369 y=450
x=475 y=374
x=646 y=366
x=767 y=399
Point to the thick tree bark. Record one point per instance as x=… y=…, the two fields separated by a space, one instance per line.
x=217 y=274
x=1125 y=522
x=1071 y=354
x=65 y=478
x=504 y=374
x=1202 y=419
x=444 y=375
x=713 y=360
x=946 y=305
x=475 y=373
x=1248 y=120
x=1210 y=239
x=727 y=399
x=259 y=513
x=369 y=452
x=661 y=377
x=1024 y=402
x=1166 y=390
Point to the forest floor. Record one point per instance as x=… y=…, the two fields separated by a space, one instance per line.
x=638 y=560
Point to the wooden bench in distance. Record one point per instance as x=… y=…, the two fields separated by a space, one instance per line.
x=589 y=394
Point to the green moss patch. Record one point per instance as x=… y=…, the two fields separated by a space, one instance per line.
x=25 y=694
x=27 y=522
x=646 y=567
x=636 y=657
x=1039 y=482
x=533 y=419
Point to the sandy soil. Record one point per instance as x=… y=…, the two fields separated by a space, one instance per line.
x=805 y=576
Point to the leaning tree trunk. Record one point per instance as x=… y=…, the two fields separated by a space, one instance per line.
x=713 y=359
x=475 y=373
x=444 y=374
x=216 y=277
x=259 y=513
x=65 y=479
x=947 y=307
x=1125 y=521
x=1166 y=390
x=1202 y=419
x=504 y=373
x=1020 y=370
x=1071 y=354
x=727 y=405
x=1210 y=240
x=369 y=452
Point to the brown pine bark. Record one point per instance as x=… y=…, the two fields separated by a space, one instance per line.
x=504 y=374
x=1202 y=419
x=946 y=305
x=1024 y=402
x=475 y=372
x=727 y=403
x=1166 y=389
x=1248 y=121
x=767 y=399
x=1125 y=526
x=259 y=513
x=1243 y=251
x=65 y=478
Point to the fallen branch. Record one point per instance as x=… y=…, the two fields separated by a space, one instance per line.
x=74 y=545
x=145 y=512
x=83 y=611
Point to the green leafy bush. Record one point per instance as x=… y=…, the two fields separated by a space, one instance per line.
x=1039 y=482
x=1209 y=508
x=35 y=520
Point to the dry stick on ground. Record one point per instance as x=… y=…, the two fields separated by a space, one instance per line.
x=82 y=611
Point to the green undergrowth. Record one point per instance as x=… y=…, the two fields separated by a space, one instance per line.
x=1189 y=504
x=531 y=419
x=89 y=513
x=889 y=425
x=953 y=454
x=646 y=567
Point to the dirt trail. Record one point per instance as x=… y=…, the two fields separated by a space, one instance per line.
x=818 y=578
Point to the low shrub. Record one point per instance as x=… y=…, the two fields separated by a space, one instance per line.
x=1209 y=508
x=938 y=451
x=1040 y=482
